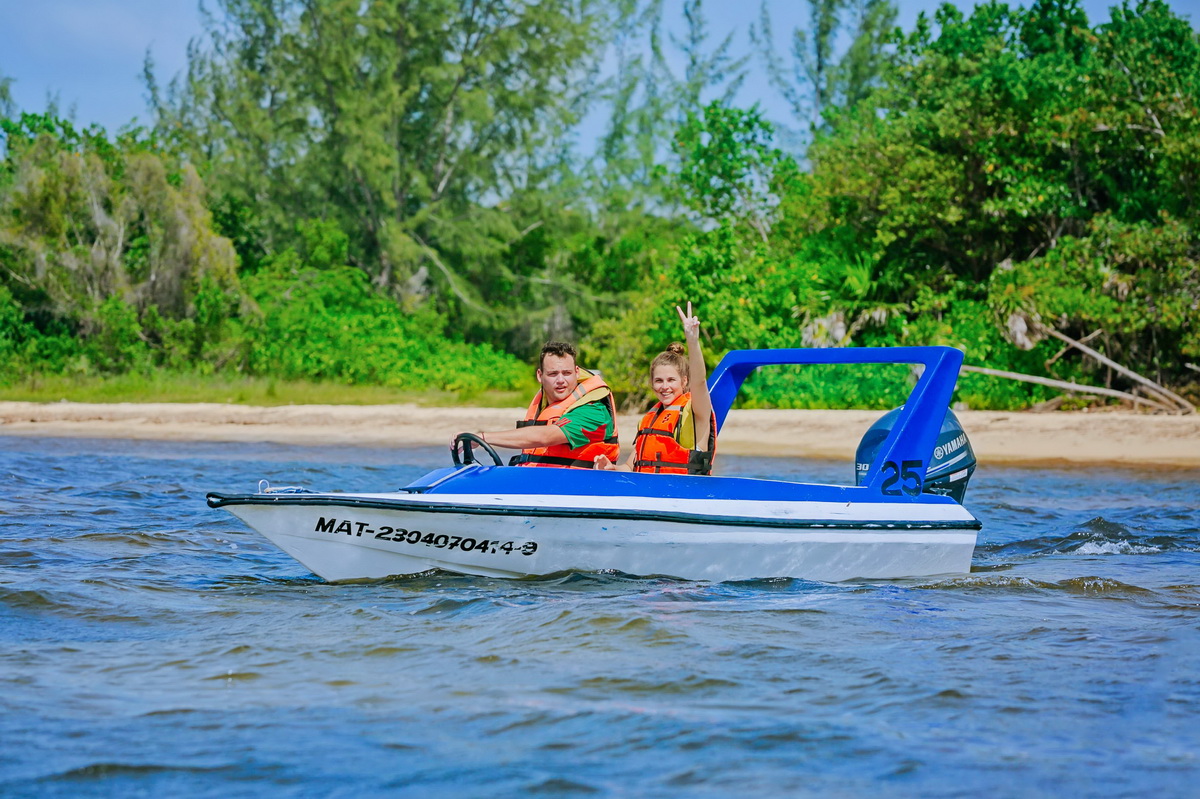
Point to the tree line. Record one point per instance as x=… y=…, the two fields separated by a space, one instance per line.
x=401 y=193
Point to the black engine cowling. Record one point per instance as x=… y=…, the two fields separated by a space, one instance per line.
x=952 y=464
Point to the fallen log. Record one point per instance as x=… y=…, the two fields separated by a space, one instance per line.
x=1076 y=388
x=1168 y=397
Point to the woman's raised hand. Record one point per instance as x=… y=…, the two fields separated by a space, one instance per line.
x=691 y=324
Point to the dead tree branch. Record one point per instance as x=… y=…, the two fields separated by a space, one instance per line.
x=1180 y=405
x=1067 y=348
x=1074 y=388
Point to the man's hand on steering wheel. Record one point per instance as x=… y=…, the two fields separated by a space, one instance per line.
x=462 y=449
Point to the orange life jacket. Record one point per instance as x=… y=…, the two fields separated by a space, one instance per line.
x=591 y=388
x=657 y=442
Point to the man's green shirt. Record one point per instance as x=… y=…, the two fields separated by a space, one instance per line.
x=586 y=424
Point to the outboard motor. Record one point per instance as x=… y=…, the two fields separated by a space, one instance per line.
x=952 y=464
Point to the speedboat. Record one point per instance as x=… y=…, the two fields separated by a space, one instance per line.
x=902 y=518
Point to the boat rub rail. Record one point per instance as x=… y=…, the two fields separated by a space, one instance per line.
x=216 y=500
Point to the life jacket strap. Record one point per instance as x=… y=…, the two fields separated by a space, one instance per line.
x=649 y=431
x=551 y=460
x=532 y=423
x=699 y=462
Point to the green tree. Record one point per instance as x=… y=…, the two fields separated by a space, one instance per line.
x=648 y=100
x=7 y=106
x=819 y=77
x=88 y=224
x=729 y=170
x=1024 y=161
x=407 y=124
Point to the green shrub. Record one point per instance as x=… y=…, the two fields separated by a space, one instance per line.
x=329 y=324
x=116 y=343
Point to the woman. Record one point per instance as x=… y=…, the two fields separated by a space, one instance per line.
x=679 y=434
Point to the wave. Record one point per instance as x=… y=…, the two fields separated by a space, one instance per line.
x=239 y=582
x=65 y=603
x=1090 y=585
x=1097 y=536
x=453 y=606
x=1115 y=548
x=686 y=684
x=16 y=558
x=106 y=770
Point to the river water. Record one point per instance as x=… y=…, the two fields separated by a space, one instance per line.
x=151 y=646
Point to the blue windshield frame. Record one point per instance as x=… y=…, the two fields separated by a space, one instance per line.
x=915 y=432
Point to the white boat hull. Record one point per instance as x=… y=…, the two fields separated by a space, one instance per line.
x=696 y=539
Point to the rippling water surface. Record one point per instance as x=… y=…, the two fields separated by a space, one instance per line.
x=149 y=645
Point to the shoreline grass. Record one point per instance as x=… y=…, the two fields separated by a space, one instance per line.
x=235 y=390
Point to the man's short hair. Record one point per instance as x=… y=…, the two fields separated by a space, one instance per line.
x=560 y=349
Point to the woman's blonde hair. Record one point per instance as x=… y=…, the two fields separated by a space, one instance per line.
x=673 y=356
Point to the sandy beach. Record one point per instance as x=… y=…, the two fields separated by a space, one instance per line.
x=998 y=437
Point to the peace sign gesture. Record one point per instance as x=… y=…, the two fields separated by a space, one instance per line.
x=691 y=324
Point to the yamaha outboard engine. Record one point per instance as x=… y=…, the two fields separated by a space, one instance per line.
x=952 y=464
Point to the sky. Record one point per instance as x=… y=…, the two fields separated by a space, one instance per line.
x=88 y=54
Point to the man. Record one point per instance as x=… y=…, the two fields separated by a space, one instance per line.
x=570 y=421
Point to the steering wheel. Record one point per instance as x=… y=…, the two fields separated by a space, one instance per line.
x=465 y=444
